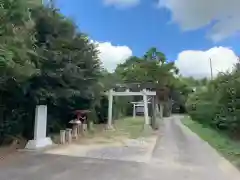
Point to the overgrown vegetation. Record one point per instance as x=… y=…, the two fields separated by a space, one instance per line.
x=217 y=104
x=44 y=59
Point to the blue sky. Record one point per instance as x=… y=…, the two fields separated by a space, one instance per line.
x=141 y=24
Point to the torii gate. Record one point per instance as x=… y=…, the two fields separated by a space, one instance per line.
x=139 y=104
x=145 y=93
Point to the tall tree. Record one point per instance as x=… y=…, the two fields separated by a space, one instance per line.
x=16 y=41
x=153 y=67
x=43 y=59
x=154 y=55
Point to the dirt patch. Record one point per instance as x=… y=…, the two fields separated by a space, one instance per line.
x=120 y=148
x=100 y=140
x=6 y=151
x=11 y=151
x=128 y=141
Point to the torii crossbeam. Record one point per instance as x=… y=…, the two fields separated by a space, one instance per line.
x=145 y=93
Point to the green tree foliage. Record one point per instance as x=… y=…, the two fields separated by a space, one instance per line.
x=154 y=68
x=194 y=83
x=44 y=59
x=218 y=103
x=16 y=41
x=16 y=50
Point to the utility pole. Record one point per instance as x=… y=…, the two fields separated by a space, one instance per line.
x=210 y=60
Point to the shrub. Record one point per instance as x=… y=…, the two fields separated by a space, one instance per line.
x=218 y=104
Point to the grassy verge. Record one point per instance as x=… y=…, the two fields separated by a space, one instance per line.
x=229 y=148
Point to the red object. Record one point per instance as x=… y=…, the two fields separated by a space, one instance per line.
x=81 y=114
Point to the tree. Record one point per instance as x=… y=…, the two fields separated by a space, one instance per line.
x=152 y=67
x=154 y=55
x=217 y=105
x=16 y=41
x=17 y=48
x=44 y=60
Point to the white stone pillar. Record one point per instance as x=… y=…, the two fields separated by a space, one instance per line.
x=110 y=105
x=62 y=136
x=134 y=111
x=69 y=135
x=145 y=107
x=40 y=140
x=79 y=126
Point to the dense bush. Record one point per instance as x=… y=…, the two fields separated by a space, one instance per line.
x=218 y=104
x=44 y=59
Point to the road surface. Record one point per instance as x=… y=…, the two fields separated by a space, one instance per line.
x=178 y=155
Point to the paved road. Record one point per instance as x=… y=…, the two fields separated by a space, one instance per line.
x=182 y=152
x=178 y=155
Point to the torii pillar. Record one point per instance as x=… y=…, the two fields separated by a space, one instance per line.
x=143 y=93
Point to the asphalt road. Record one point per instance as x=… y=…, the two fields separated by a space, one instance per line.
x=178 y=155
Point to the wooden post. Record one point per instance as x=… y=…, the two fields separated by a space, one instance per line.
x=75 y=131
x=134 y=111
x=84 y=127
x=154 y=122
x=68 y=135
x=62 y=136
x=79 y=129
x=157 y=105
x=157 y=109
x=161 y=110
x=145 y=107
x=110 y=103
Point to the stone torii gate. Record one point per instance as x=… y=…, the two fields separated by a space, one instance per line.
x=138 y=104
x=144 y=93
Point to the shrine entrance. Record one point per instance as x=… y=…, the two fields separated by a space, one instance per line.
x=146 y=94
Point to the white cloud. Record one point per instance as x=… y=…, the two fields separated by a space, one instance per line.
x=112 y=55
x=121 y=3
x=221 y=15
x=197 y=63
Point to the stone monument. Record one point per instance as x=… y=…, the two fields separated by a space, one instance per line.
x=40 y=140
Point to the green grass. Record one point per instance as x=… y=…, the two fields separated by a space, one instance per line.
x=229 y=148
x=128 y=127
x=132 y=127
